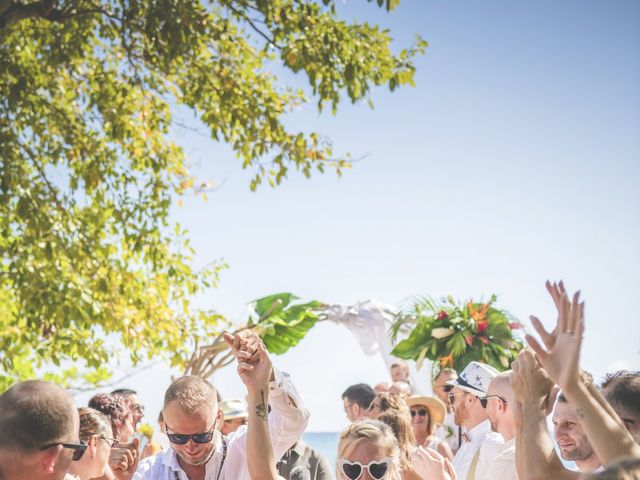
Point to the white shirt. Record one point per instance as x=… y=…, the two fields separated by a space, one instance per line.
x=503 y=466
x=480 y=437
x=286 y=425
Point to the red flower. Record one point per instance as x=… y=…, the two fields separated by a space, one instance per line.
x=469 y=339
x=482 y=326
x=515 y=326
x=442 y=315
x=484 y=340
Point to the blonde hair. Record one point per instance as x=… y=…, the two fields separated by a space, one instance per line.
x=403 y=431
x=371 y=431
x=93 y=422
x=191 y=393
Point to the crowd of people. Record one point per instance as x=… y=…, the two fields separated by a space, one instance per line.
x=544 y=419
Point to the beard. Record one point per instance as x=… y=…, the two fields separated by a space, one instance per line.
x=581 y=451
x=200 y=459
x=460 y=415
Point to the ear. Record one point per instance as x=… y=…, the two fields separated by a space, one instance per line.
x=50 y=458
x=92 y=445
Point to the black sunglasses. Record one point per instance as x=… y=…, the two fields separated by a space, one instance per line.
x=78 y=448
x=354 y=470
x=447 y=388
x=182 y=439
x=423 y=412
x=485 y=400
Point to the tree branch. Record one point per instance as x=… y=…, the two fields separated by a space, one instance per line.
x=11 y=12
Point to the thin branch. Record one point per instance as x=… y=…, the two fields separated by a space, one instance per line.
x=254 y=26
x=77 y=390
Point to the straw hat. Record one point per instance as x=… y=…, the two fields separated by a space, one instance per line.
x=437 y=409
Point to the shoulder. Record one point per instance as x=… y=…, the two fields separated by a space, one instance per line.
x=492 y=444
x=150 y=466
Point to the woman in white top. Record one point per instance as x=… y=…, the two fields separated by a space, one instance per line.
x=426 y=414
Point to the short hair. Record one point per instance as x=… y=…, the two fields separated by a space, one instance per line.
x=190 y=392
x=360 y=393
x=115 y=407
x=93 y=422
x=400 y=424
x=33 y=414
x=623 y=390
x=125 y=392
x=400 y=364
x=450 y=371
x=373 y=431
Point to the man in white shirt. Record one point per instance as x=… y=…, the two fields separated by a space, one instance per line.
x=481 y=445
x=499 y=405
x=198 y=450
x=448 y=431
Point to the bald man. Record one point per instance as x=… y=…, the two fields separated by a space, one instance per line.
x=40 y=428
x=499 y=405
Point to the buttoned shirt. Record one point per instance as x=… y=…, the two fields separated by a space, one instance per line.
x=503 y=466
x=286 y=424
x=480 y=438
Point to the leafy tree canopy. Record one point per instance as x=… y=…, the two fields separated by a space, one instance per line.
x=89 y=260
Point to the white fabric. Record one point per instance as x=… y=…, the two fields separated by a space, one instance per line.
x=286 y=425
x=480 y=437
x=504 y=465
x=449 y=432
x=369 y=321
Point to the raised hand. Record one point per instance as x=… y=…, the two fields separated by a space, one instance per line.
x=561 y=354
x=529 y=381
x=254 y=364
x=430 y=464
x=124 y=459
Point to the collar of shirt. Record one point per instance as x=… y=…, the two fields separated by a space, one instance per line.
x=170 y=458
x=479 y=431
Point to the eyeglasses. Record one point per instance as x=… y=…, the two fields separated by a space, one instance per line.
x=182 y=439
x=78 y=448
x=445 y=388
x=111 y=441
x=452 y=396
x=484 y=401
x=423 y=412
x=353 y=470
x=139 y=409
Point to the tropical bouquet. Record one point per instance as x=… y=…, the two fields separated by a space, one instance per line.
x=451 y=334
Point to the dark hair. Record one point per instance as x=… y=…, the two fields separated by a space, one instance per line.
x=113 y=406
x=622 y=388
x=34 y=414
x=360 y=393
x=124 y=392
x=625 y=469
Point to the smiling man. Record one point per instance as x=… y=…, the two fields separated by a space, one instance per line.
x=193 y=420
x=572 y=441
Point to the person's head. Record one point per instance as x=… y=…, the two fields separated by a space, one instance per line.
x=40 y=431
x=399 y=371
x=400 y=388
x=622 y=391
x=357 y=399
x=400 y=424
x=426 y=414
x=468 y=389
x=234 y=414
x=96 y=433
x=625 y=469
x=440 y=386
x=386 y=401
x=382 y=387
x=131 y=399
x=116 y=408
x=191 y=417
x=571 y=438
x=498 y=403
x=368 y=443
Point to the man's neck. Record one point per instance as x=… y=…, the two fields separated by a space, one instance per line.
x=507 y=432
x=589 y=465
x=194 y=472
x=471 y=424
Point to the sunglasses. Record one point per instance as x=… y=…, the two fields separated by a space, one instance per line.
x=111 y=441
x=78 y=448
x=423 y=412
x=446 y=388
x=485 y=400
x=353 y=470
x=182 y=439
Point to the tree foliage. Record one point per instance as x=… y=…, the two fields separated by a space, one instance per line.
x=89 y=259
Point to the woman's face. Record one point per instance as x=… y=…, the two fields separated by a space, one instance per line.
x=365 y=452
x=419 y=419
x=127 y=429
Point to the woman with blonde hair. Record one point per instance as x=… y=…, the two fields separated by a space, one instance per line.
x=426 y=414
x=385 y=401
x=368 y=445
x=96 y=434
x=401 y=426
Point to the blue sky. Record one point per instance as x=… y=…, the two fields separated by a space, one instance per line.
x=515 y=159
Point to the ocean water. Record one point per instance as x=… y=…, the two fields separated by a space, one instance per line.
x=324 y=442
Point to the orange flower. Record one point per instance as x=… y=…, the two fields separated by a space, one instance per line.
x=448 y=360
x=478 y=314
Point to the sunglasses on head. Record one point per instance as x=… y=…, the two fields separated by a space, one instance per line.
x=78 y=448
x=423 y=412
x=353 y=470
x=485 y=400
x=182 y=439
